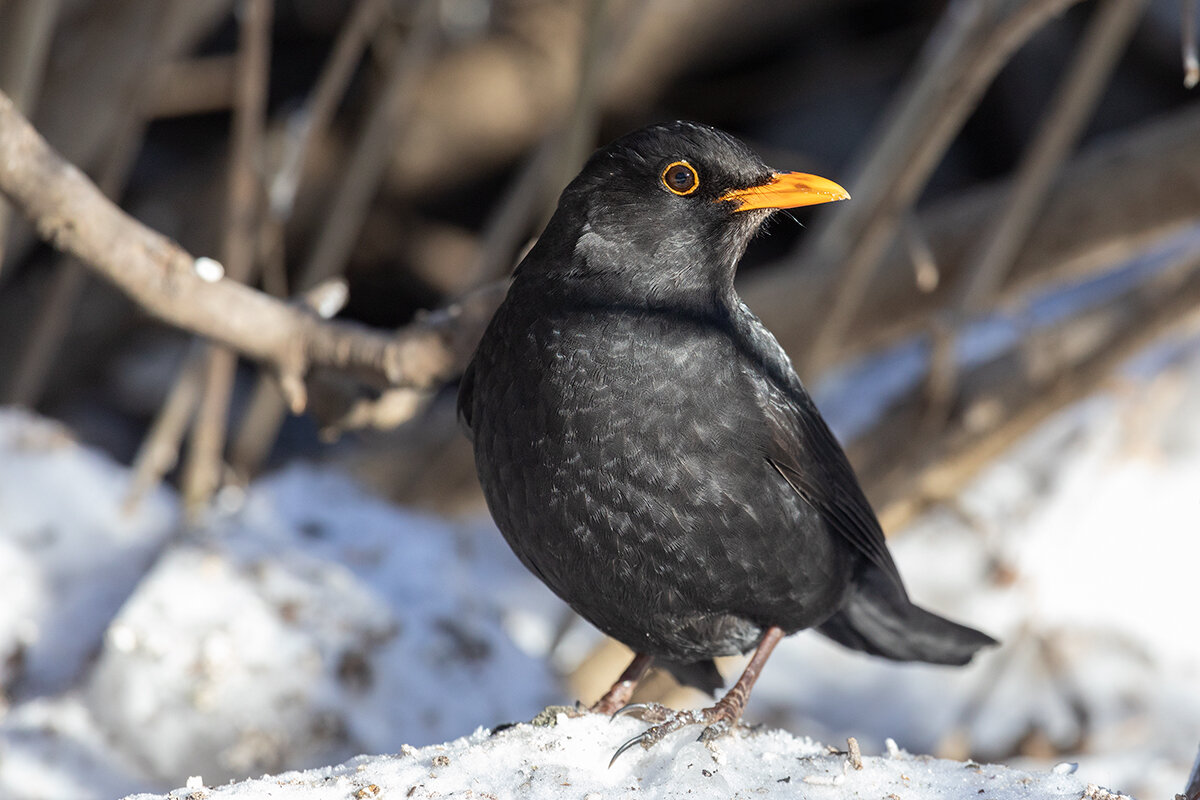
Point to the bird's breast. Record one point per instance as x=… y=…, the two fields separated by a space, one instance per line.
x=619 y=453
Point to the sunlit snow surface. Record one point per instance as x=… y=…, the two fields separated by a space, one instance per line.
x=569 y=758
x=314 y=622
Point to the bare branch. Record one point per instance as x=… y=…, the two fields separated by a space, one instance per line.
x=24 y=47
x=193 y=86
x=1191 y=62
x=202 y=474
x=74 y=216
x=57 y=309
x=313 y=119
x=1069 y=111
x=1148 y=178
x=972 y=42
x=109 y=47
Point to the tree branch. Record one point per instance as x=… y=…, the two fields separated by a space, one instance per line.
x=972 y=42
x=74 y=216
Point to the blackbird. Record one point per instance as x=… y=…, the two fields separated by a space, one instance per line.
x=647 y=449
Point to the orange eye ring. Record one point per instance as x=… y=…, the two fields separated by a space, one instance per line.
x=680 y=177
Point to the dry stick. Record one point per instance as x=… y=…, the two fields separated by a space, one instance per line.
x=202 y=471
x=512 y=216
x=1072 y=107
x=926 y=274
x=54 y=319
x=71 y=214
x=318 y=112
x=265 y=409
x=373 y=152
x=70 y=277
x=1187 y=26
x=264 y=412
x=23 y=51
x=199 y=85
x=531 y=192
x=1073 y=104
x=1164 y=305
x=159 y=451
x=578 y=138
x=971 y=43
x=347 y=211
x=113 y=41
x=1156 y=165
x=559 y=158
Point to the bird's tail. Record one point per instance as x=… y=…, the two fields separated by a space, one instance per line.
x=879 y=619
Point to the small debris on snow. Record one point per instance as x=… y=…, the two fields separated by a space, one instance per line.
x=854 y=754
x=1094 y=792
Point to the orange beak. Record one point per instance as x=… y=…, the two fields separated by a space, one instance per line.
x=787 y=190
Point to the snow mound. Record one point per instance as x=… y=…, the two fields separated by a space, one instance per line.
x=567 y=757
x=304 y=628
x=69 y=554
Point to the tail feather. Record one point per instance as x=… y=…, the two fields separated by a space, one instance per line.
x=878 y=619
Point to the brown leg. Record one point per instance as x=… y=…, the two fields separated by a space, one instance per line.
x=734 y=702
x=618 y=696
x=718 y=719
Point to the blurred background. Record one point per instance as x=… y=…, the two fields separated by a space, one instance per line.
x=1001 y=327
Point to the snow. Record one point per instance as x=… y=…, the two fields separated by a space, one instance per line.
x=69 y=555
x=568 y=757
x=323 y=614
x=1077 y=550
x=309 y=621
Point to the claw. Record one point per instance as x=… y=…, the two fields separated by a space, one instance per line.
x=628 y=744
x=714 y=731
x=631 y=708
x=646 y=712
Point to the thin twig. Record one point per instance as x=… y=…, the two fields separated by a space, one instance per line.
x=24 y=48
x=57 y=309
x=372 y=152
x=926 y=274
x=202 y=471
x=943 y=467
x=159 y=451
x=267 y=405
x=111 y=43
x=971 y=43
x=351 y=200
x=1187 y=26
x=1068 y=112
x=1155 y=165
x=511 y=218
x=313 y=119
x=199 y=85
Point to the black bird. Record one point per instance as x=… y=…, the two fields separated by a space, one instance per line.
x=647 y=449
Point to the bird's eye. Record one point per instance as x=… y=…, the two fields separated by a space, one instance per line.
x=680 y=178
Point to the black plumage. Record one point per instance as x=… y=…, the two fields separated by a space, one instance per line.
x=645 y=445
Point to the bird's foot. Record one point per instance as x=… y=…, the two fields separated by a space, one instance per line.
x=718 y=720
x=618 y=696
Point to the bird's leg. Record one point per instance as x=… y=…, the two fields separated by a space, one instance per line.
x=618 y=696
x=718 y=719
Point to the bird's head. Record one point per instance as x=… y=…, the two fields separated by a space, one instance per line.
x=664 y=214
